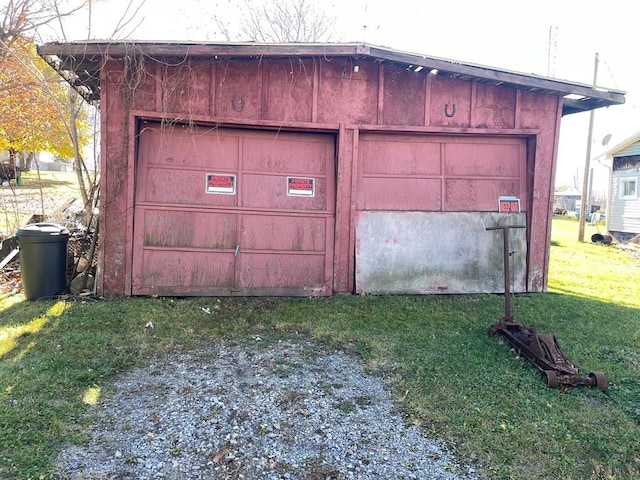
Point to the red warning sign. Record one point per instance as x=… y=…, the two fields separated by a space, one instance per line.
x=301 y=187
x=509 y=205
x=221 y=183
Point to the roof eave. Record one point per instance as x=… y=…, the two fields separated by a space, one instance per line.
x=622 y=146
x=85 y=58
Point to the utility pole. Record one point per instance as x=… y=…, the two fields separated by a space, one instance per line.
x=587 y=164
x=551 y=51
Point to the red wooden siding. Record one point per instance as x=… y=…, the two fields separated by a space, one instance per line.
x=450 y=102
x=348 y=96
x=176 y=80
x=257 y=241
x=291 y=83
x=239 y=89
x=404 y=97
x=495 y=106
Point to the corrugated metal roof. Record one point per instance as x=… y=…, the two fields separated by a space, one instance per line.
x=80 y=62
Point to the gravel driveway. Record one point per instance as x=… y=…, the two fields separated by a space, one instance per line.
x=257 y=411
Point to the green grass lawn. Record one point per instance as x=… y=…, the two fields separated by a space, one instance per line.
x=461 y=385
x=39 y=194
x=585 y=269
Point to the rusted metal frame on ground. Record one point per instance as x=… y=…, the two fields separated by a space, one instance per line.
x=543 y=350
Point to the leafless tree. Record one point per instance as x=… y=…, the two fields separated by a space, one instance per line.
x=280 y=21
x=26 y=18
x=23 y=18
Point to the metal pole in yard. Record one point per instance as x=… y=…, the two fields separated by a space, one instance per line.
x=507 y=273
x=585 y=180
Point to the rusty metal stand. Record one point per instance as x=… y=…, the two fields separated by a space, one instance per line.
x=507 y=273
x=542 y=350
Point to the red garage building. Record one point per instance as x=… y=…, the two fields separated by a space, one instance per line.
x=294 y=169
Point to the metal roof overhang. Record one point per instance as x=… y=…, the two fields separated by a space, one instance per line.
x=80 y=62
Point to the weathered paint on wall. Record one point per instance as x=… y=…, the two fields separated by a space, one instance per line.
x=543 y=113
x=317 y=95
x=114 y=267
x=416 y=252
x=268 y=228
x=435 y=252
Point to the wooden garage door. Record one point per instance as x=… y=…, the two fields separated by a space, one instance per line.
x=440 y=173
x=233 y=212
x=423 y=205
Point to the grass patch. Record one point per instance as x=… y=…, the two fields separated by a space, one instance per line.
x=38 y=194
x=461 y=385
x=592 y=270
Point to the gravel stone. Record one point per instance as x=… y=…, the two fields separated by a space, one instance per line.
x=265 y=410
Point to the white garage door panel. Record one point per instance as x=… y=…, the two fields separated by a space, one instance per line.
x=434 y=252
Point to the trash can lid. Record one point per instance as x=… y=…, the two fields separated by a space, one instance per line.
x=42 y=230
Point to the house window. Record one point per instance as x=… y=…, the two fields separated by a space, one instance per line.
x=628 y=188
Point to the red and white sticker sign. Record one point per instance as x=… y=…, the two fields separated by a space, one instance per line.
x=508 y=205
x=301 y=187
x=221 y=183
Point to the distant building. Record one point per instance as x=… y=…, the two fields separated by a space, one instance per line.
x=52 y=163
x=566 y=198
x=623 y=210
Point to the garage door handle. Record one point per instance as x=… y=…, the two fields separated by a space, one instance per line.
x=235 y=254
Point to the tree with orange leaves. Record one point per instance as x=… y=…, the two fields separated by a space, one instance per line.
x=28 y=121
x=35 y=105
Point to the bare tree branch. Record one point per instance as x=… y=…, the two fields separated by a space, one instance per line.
x=280 y=21
x=285 y=21
x=130 y=15
x=23 y=18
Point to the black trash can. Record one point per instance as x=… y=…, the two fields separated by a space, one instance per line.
x=43 y=259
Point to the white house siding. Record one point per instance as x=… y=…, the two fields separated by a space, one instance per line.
x=624 y=215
